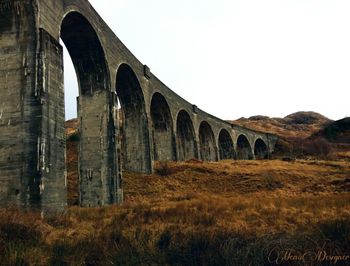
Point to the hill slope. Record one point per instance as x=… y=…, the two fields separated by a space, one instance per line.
x=336 y=132
x=296 y=125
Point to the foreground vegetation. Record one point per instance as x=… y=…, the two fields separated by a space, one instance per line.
x=195 y=213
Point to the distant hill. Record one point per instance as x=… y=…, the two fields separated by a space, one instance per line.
x=336 y=132
x=296 y=125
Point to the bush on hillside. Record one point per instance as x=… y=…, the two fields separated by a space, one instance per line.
x=301 y=148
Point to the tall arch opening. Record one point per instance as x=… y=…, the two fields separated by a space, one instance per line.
x=96 y=155
x=226 y=149
x=86 y=53
x=260 y=150
x=208 y=150
x=71 y=94
x=162 y=129
x=185 y=137
x=244 y=151
x=135 y=135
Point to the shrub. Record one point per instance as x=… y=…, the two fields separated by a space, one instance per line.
x=162 y=168
x=283 y=147
x=315 y=147
x=337 y=230
x=164 y=240
x=74 y=137
x=19 y=226
x=271 y=182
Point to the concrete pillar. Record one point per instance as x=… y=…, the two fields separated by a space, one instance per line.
x=52 y=135
x=32 y=142
x=97 y=164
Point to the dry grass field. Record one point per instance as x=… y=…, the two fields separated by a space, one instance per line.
x=195 y=213
x=272 y=212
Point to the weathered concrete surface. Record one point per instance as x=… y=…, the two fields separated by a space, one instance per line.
x=136 y=147
x=226 y=147
x=51 y=141
x=31 y=172
x=162 y=130
x=208 y=150
x=157 y=124
x=186 y=144
x=17 y=103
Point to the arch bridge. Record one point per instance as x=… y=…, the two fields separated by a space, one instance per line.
x=157 y=124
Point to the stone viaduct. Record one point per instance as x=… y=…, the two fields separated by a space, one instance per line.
x=157 y=124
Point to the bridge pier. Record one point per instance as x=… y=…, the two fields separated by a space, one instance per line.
x=32 y=158
x=98 y=173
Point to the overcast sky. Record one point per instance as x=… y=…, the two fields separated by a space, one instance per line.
x=235 y=58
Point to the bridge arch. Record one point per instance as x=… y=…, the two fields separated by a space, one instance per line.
x=134 y=127
x=185 y=137
x=162 y=129
x=260 y=149
x=208 y=151
x=226 y=150
x=86 y=52
x=89 y=60
x=244 y=150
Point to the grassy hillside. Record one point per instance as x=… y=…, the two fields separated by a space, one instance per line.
x=296 y=125
x=194 y=213
x=72 y=160
x=305 y=134
x=336 y=132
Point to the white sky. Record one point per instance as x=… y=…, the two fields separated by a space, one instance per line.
x=235 y=58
